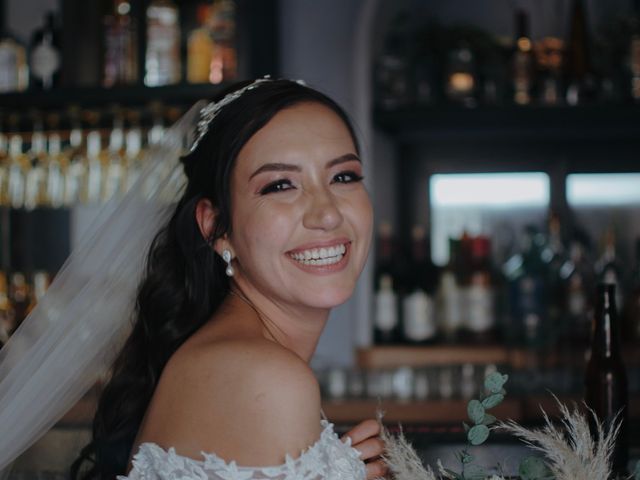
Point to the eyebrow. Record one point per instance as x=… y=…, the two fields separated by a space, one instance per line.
x=287 y=167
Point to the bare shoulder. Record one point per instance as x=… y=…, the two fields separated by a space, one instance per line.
x=248 y=400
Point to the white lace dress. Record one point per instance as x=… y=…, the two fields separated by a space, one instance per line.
x=327 y=459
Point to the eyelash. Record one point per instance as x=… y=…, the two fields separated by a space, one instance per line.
x=278 y=185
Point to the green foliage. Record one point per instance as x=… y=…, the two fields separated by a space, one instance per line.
x=636 y=472
x=478 y=434
x=533 y=468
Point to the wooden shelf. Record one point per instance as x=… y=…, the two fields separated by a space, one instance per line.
x=434 y=411
x=419 y=356
x=525 y=409
x=380 y=357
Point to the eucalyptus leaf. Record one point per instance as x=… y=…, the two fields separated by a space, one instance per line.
x=488 y=419
x=478 y=434
x=466 y=458
x=533 y=468
x=636 y=471
x=492 y=400
x=475 y=410
x=495 y=381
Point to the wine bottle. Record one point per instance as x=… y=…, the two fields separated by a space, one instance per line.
x=606 y=379
x=480 y=319
x=45 y=58
x=386 y=313
x=418 y=307
x=200 y=48
x=580 y=79
x=522 y=61
x=450 y=295
x=14 y=72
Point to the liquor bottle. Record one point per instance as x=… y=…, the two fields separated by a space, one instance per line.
x=224 y=64
x=609 y=268
x=606 y=379
x=113 y=163
x=200 y=48
x=461 y=82
x=526 y=277
x=132 y=157
x=392 y=67
x=480 y=318
x=634 y=53
x=553 y=256
x=386 y=315
x=19 y=297
x=93 y=170
x=4 y=168
x=14 y=71
x=450 y=295
x=580 y=79
x=41 y=282
x=522 y=61
x=55 y=170
x=17 y=174
x=34 y=190
x=578 y=284
x=418 y=304
x=45 y=57
x=632 y=305
x=7 y=317
x=120 y=46
x=162 y=58
x=74 y=167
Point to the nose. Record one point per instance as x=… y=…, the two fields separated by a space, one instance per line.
x=322 y=211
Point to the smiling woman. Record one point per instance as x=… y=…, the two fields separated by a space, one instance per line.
x=271 y=232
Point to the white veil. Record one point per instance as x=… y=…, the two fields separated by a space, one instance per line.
x=74 y=334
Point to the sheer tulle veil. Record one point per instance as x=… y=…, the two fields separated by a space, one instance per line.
x=73 y=335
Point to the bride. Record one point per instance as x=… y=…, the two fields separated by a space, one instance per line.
x=271 y=232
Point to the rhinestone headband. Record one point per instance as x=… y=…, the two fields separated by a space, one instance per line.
x=211 y=110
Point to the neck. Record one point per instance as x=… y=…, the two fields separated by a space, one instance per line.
x=295 y=327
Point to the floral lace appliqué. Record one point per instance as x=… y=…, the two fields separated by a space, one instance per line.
x=327 y=459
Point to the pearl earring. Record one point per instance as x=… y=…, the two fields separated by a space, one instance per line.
x=226 y=256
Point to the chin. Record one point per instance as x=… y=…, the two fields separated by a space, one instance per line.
x=330 y=298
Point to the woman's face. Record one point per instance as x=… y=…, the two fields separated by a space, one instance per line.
x=301 y=216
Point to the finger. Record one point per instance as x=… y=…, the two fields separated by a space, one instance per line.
x=362 y=431
x=376 y=469
x=370 y=448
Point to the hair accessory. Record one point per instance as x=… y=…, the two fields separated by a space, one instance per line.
x=226 y=256
x=209 y=111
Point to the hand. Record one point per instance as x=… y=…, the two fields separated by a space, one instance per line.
x=365 y=437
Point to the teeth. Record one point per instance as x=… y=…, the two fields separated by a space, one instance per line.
x=322 y=256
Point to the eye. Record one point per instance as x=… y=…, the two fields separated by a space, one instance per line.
x=277 y=186
x=347 y=177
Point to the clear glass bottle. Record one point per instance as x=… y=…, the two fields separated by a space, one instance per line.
x=162 y=57
x=14 y=70
x=45 y=56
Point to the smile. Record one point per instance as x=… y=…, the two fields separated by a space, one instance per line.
x=320 y=256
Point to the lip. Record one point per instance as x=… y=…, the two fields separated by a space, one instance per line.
x=323 y=269
x=327 y=243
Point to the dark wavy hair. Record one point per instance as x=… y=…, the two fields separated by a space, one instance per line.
x=184 y=281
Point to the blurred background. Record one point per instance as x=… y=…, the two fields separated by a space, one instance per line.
x=502 y=149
